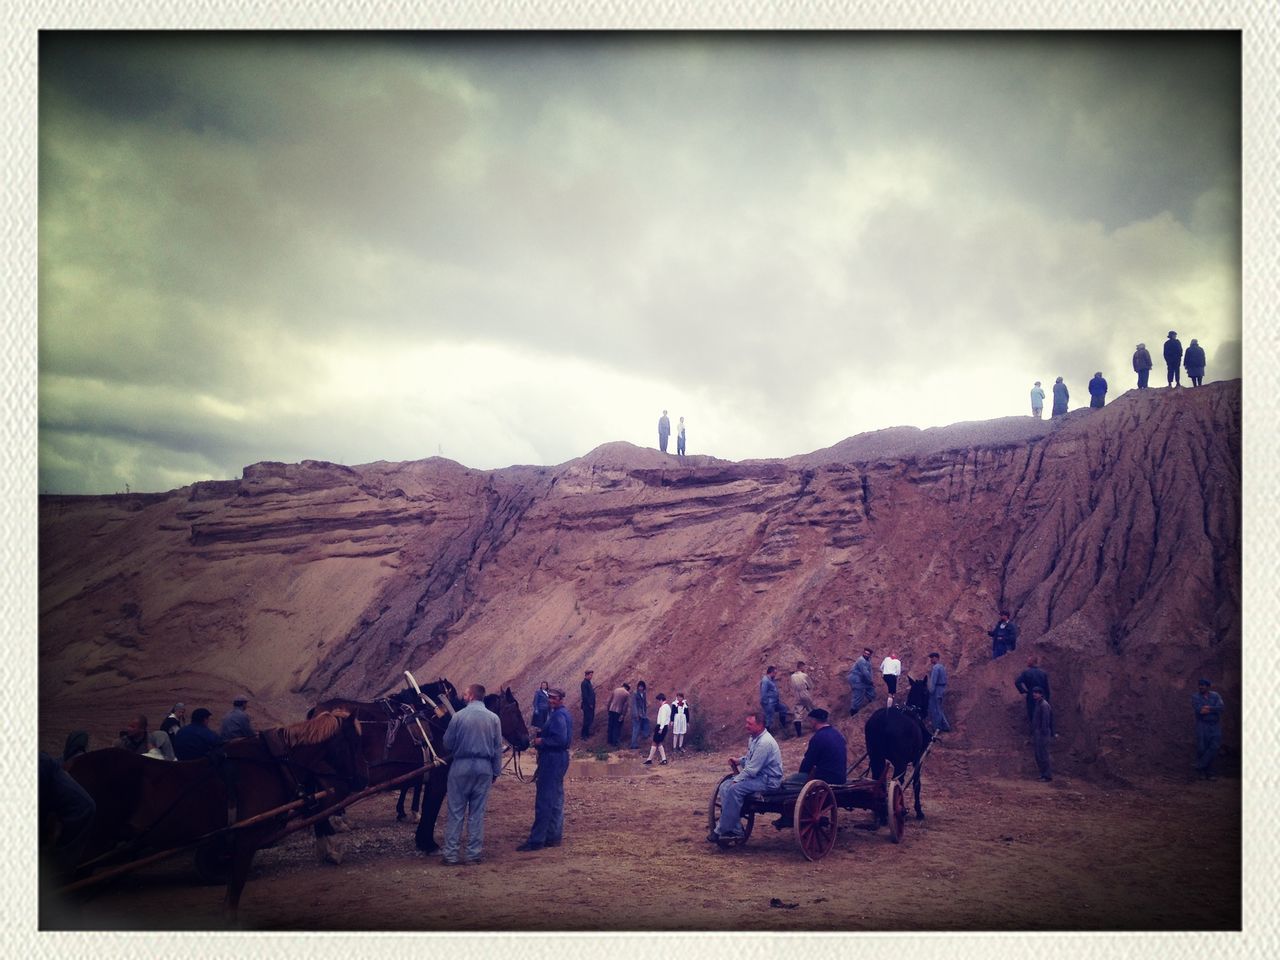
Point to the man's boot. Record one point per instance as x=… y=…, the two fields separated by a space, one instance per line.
x=797 y=728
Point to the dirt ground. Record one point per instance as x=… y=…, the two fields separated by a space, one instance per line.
x=993 y=854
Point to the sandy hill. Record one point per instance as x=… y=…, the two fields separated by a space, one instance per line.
x=1113 y=535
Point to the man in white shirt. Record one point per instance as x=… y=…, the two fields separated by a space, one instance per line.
x=890 y=668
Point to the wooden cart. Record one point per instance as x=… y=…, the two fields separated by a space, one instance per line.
x=812 y=810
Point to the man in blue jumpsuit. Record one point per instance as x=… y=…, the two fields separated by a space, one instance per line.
x=474 y=737
x=937 y=690
x=769 y=702
x=553 y=764
x=861 y=685
x=760 y=769
x=1207 y=705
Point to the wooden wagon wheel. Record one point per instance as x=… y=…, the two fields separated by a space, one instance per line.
x=815 y=819
x=896 y=805
x=747 y=820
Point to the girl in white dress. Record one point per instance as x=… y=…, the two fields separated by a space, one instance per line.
x=679 y=722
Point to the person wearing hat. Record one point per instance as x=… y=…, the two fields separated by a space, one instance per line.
x=862 y=688
x=236 y=723
x=553 y=763
x=1173 y=357
x=1042 y=732
x=1037 y=401
x=1207 y=705
x=175 y=720
x=937 y=681
x=195 y=740
x=1194 y=362
x=1142 y=365
x=827 y=755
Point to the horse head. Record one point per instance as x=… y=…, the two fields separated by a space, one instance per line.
x=918 y=697
x=507 y=708
x=344 y=750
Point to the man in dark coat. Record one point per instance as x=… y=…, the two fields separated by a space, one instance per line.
x=664 y=431
x=1028 y=680
x=588 y=703
x=1194 y=362
x=827 y=755
x=195 y=740
x=1173 y=357
x=1097 y=391
x=1042 y=732
x=1004 y=636
x=1060 y=397
x=1142 y=365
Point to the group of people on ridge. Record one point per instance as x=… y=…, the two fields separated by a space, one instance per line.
x=1193 y=360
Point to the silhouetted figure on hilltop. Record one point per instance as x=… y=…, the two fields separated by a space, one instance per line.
x=664 y=430
x=1037 y=401
x=1097 y=391
x=1142 y=365
x=1060 y=397
x=1173 y=357
x=1194 y=362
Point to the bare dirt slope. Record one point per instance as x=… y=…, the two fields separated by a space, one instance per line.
x=1113 y=535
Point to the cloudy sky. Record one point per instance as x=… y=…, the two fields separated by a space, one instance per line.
x=512 y=248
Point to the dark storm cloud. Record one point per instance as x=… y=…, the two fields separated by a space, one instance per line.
x=748 y=216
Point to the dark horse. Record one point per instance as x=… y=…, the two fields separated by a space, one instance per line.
x=394 y=748
x=899 y=736
x=150 y=805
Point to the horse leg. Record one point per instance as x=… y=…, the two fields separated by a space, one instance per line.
x=417 y=800
x=238 y=874
x=433 y=797
x=915 y=784
x=328 y=849
x=400 y=814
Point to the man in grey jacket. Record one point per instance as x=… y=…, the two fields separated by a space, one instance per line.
x=236 y=722
x=474 y=737
x=760 y=769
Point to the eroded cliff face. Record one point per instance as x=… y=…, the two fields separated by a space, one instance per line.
x=1113 y=536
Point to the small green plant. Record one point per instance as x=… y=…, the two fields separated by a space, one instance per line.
x=700 y=723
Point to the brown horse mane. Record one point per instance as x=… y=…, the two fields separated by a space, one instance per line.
x=323 y=726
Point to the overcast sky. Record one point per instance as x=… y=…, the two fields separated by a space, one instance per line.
x=509 y=248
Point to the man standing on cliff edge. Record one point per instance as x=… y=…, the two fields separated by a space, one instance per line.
x=664 y=430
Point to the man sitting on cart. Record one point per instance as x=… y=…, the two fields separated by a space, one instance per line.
x=760 y=769
x=825 y=757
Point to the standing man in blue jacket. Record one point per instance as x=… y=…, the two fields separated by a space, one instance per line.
x=1207 y=704
x=474 y=737
x=553 y=764
x=937 y=689
x=770 y=704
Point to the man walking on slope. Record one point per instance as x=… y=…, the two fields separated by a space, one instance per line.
x=861 y=686
x=1004 y=636
x=802 y=689
x=769 y=702
x=937 y=690
x=474 y=737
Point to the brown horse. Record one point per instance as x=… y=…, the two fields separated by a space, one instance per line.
x=146 y=805
x=393 y=748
